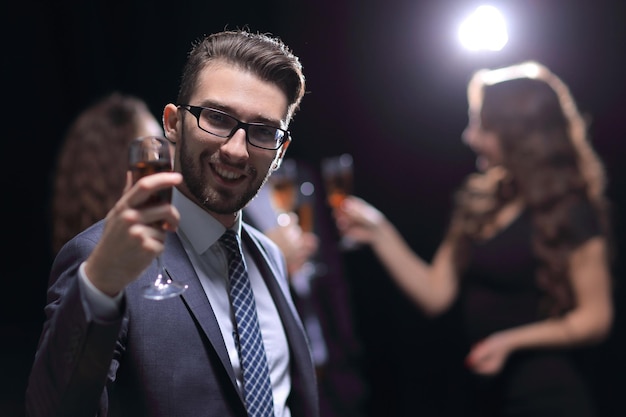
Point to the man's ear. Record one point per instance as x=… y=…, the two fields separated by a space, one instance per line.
x=171 y=118
x=279 y=157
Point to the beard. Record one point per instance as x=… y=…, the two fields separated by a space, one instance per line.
x=214 y=199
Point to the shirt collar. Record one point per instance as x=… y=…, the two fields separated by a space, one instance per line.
x=199 y=227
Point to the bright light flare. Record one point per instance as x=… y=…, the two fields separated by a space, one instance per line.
x=283 y=219
x=484 y=29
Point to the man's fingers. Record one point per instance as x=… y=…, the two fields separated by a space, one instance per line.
x=147 y=186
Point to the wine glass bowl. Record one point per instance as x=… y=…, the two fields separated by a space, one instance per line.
x=147 y=158
x=150 y=155
x=305 y=209
x=293 y=200
x=284 y=191
x=338 y=173
x=289 y=195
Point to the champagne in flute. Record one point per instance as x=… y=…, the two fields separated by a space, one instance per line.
x=338 y=175
x=283 y=187
x=149 y=155
x=337 y=172
x=305 y=210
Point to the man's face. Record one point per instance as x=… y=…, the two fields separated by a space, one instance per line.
x=223 y=175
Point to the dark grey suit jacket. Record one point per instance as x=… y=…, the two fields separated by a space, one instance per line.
x=160 y=358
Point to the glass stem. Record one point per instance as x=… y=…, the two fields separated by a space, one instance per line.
x=161 y=279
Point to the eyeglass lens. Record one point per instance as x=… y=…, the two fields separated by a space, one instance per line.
x=224 y=125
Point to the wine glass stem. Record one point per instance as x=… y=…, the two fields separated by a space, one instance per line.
x=161 y=280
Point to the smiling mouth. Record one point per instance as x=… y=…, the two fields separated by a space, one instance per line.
x=226 y=173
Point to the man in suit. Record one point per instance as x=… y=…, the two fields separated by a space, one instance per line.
x=105 y=349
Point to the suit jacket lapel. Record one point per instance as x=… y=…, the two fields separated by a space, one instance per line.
x=181 y=270
x=179 y=267
x=304 y=391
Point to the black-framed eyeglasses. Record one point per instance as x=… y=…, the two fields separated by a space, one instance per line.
x=223 y=125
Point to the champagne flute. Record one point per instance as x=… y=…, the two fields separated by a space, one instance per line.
x=150 y=155
x=305 y=207
x=284 y=192
x=290 y=195
x=338 y=174
x=306 y=220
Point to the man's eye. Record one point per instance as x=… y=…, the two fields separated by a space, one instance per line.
x=218 y=119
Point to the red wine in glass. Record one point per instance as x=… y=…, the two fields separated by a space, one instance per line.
x=142 y=168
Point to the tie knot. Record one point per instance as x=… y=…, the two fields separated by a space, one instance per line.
x=230 y=241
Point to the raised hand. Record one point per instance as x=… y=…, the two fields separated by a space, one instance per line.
x=133 y=234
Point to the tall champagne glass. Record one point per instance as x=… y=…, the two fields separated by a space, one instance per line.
x=283 y=185
x=290 y=195
x=338 y=175
x=284 y=190
x=150 y=155
x=305 y=208
x=307 y=222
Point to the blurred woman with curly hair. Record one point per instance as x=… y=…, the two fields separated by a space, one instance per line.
x=92 y=162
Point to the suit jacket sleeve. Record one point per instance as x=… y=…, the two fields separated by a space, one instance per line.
x=75 y=351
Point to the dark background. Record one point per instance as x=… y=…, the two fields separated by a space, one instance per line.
x=386 y=82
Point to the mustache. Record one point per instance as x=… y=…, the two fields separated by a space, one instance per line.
x=218 y=158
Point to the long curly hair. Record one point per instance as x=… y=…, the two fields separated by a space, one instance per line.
x=91 y=165
x=548 y=161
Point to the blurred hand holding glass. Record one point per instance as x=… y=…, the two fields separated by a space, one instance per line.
x=292 y=198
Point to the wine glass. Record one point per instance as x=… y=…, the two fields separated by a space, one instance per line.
x=284 y=191
x=290 y=195
x=306 y=219
x=305 y=207
x=338 y=174
x=150 y=155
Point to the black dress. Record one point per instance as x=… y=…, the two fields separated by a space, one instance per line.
x=499 y=292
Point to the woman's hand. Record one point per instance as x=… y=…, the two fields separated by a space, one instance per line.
x=489 y=356
x=358 y=220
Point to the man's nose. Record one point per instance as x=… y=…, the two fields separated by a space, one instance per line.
x=237 y=144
